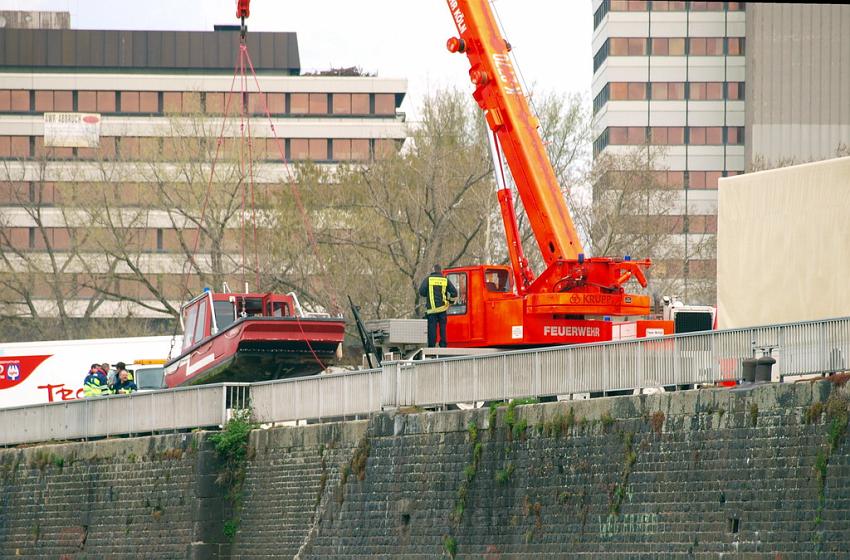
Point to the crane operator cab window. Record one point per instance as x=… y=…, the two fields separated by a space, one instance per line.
x=497 y=280
x=458 y=280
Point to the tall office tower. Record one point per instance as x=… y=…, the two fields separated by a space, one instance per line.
x=717 y=89
x=671 y=75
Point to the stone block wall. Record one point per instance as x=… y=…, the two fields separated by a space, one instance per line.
x=702 y=474
x=152 y=497
x=708 y=474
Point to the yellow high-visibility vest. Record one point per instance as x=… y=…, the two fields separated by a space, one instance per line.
x=437 y=283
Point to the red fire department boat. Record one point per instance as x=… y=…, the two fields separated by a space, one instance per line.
x=251 y=337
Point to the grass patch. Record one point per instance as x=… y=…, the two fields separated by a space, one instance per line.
x=813 y=413
x=520 y=428
x=754 y=415
x=472 y=430
x=617 y=492
x=450 y=546
x=607 y=421
x=361 y=456
x=503 y=476
x=656 y=421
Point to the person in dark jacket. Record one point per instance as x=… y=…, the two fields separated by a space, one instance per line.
x=439 y=293
x=123 y=385
x=94 y=385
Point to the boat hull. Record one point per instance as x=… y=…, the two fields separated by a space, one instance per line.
x=259 y=349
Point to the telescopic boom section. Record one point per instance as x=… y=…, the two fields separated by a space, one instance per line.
x=499 y=93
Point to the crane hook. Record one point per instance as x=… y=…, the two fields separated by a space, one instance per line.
x=243 y=10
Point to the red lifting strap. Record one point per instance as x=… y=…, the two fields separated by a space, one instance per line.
x=242 y=9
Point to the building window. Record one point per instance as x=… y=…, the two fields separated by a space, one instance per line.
x=735 y=46
x=668 y=46
x=667 y=135
x=632 y=91
x=628 y=46
x=735 y=135
x=658 y=6
x=735 y=90
x=705 y=46
x=601 y=98
x=385 y=104
x=664 y=91
x=629 y=6
x=600 y=143
x=160 y=246
x=706 y=6
x=705 y=91
x=601 y=55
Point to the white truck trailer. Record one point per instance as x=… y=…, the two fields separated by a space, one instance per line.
x=53 y=371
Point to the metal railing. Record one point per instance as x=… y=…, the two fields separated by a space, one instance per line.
x=338 y=395
x=799 y=348
x=137 y=413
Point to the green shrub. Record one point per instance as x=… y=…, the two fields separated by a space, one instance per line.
x=450 y=546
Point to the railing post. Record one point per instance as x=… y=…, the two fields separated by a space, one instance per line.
x=476 y=389
x=536 y=380
x=444 y=378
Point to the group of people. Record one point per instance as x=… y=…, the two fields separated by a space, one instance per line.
x=99 y=382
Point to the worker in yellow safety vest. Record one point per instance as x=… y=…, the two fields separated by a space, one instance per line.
x=439 y=293
x=94 y=384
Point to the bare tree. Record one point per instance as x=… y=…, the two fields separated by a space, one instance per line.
x=381 y=226
x=50 y=274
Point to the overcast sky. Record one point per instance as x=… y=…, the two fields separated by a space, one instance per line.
x=395 y=38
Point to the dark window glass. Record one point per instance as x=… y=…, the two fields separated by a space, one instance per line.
x=497 y=280
x=458 y=280
x=224 y=314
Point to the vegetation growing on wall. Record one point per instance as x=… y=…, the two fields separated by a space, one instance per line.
x=231 y=446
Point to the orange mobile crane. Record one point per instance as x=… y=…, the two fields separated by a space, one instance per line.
x=575 y=298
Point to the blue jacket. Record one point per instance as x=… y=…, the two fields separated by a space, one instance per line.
x=126 y=387
x=94 y=385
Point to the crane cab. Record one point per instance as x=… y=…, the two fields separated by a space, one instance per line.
x=487 y=310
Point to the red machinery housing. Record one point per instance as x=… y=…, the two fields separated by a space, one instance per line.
x=575 y=299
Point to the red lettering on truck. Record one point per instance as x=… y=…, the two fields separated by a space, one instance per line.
x=60 y=393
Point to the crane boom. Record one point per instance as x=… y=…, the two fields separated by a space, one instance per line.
x=500 y=95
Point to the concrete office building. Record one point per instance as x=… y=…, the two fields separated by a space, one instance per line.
x=138 y=82
x=719 y=87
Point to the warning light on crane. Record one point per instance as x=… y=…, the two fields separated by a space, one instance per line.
x=456 y=45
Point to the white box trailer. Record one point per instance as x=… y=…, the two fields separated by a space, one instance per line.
x=783 y=245
x=53 y=371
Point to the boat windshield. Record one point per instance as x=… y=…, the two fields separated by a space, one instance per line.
x=225 y=315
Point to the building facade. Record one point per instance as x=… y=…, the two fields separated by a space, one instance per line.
x=139 y=84
x=717 y=89
x=672 y=75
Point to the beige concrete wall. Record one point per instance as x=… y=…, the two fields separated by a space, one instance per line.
x=798 y=81
x=783 y=245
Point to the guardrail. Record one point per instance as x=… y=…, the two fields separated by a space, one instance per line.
x=337 y=395
x=799 y=348
x=137 y=413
